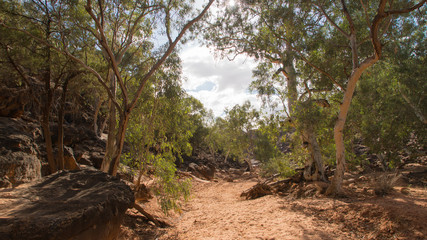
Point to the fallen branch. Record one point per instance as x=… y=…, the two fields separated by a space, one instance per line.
x=158 y=223
x=257 y=191
x=187 y=174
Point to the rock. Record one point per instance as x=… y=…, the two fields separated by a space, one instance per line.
x=19 y=154
x=349 y=181
x=84 y=159
x=5 y=183
x=13 y=101
x=66 y=205
x=235 y=171
x=229 y=179
x=202 y=171
x=19 y=167
x=321 y=186
x=69 y=160
x=363 y=178
x=405 y=191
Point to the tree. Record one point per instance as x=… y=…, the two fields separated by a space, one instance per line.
x=389 y=103
x=234 y=134
x=159 y=133
x=48 y=68
x=347 y=34
x=261 y=31
x=120 y=31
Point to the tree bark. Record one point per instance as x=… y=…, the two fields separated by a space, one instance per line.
x=314 y=166
x=48 y=103
x=416 y=109
x=110 y=148
x=61 y=163
x=226 y=156
x=314 y=170
x=95 y=117
x=335 y=187
x=120 y=139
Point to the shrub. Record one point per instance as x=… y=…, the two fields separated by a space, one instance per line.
x=384 y=184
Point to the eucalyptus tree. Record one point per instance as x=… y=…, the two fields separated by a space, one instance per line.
x=340 y=44
x=267 y=31
x=122 y=32
x=36 y=65
x=238 y=131
x=389 y=108
x=361 y=27
x=160 y=131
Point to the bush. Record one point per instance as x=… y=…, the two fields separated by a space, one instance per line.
x=279 y=165
x=384 y=184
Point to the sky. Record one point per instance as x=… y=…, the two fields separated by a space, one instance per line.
x=217 y=83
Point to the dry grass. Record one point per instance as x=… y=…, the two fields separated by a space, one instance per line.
x=385 y=183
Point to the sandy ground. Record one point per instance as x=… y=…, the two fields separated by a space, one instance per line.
x=217 y=212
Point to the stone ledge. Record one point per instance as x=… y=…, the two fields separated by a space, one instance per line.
x=67 y=205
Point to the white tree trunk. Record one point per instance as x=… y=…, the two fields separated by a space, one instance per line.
x=335 y=187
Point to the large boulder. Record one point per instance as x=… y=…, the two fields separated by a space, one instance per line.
x=19 y=153
x=82 y=204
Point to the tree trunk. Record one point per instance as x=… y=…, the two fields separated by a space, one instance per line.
x=226 y=156
x=313 y=170
x=110 y=148
x=48 y=140
x=61 y=126
x=95 y=117
x=47 y=104
x=335 y=187
x=314 y=166
x=120 y=139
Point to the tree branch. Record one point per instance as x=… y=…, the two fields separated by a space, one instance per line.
x=104 y=44
x=406 y=10
x=68 y=54
x=331 y=21
x=166 y=55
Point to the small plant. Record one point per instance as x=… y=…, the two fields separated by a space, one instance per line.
x=385 y=183
x=279 y=165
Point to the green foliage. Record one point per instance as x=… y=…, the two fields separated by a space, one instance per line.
x=278 y=165
x=160 y=132
x=233 y=136
x=268 y=137
x=169 y=188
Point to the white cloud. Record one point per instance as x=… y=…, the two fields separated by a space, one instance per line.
x=217 y=83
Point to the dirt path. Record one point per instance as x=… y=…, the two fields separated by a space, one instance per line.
x=217 y=212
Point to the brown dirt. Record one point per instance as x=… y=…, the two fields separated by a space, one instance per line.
x=216 y=211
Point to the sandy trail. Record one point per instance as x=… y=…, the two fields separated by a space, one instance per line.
x=216 y=211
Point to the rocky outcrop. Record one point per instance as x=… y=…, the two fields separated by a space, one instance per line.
x=87 y=148
x=82 y=204
x=69 y=160
x=13 y=101
x=202 y=171
x=19 y=153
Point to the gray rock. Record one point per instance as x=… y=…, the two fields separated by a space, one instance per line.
x=19 y=153
x=66 y=205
